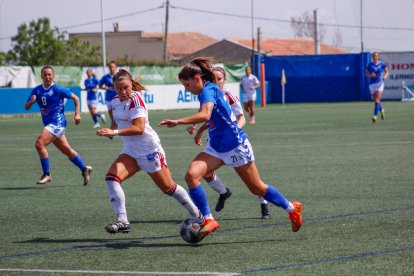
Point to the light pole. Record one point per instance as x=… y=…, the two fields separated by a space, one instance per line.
x=103 y=38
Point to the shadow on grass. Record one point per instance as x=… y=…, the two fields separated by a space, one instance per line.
x=28 y=188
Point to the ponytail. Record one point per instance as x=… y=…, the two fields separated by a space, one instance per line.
x=200 y=66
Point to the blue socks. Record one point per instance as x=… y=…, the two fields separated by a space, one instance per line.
x=377 y=108
x=198 y=195
x=45 y=165
x=274 y=196
x=95 y=119
x=77 y=160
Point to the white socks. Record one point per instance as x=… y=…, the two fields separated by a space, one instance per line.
x=262 y=200
x=216 y=185
x=181 y=195
x=117 y=197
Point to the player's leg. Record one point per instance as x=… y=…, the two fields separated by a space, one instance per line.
x=62 y=144
x=166 y=184
x=252 y=113
x=121 y=169
x=250 y=176
x=92 y=111
x=378 y=99
x=202 y=164
x=214 y=182
x=44 y=139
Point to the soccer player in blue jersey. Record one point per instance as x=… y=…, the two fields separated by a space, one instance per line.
x=212 y=178
x=107 y=83
x=376 y=72
x=50 y=99
x=227 y=145
x=92 y=86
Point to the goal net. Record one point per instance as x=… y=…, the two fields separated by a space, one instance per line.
x=407 y=93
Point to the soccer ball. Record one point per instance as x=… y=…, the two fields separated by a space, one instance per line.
x=190 y=228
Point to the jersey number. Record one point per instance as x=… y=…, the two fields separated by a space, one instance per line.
x=44 y=100
x=234 y=158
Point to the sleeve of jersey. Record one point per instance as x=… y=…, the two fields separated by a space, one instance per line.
x=137 y=108
x=66 y=92
x=237 y=109
x=207 y=96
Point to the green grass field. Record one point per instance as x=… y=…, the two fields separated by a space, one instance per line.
x=355 y=180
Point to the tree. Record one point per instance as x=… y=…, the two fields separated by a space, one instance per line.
x=37 y=44
x=303 y=26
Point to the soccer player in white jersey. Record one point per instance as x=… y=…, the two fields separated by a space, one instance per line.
x=50 y=99
x=237 y=115
x=376 y=72
x=249 y=83
x=142 y=151
x=227 y=145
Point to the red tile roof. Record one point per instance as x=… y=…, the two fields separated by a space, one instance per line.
x=181 y=44
x=291 y=46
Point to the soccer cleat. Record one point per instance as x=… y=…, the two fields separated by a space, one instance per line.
x=295 y=216
x=252 y=121
x=374 y=119
x=208 y=227
x=383 y=114
x=44 y=179
x=85 y=174
x=103 y=118
x=222 y=200
x=265 y=211
x=97 y=125
x=118 y=227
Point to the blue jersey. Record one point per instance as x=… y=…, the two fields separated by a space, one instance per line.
x=108 y=82
x=377 y=69
x=224 y=134
x=90 y=84
x=51 y=103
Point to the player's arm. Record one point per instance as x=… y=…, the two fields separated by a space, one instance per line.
x=256 y=84
x=30 y=102
x=137 y=128
x=200 y=117
x=368 y=74
x=199 y=134
x=241 y=120
x=191 y=129
x=386 y=73
x=76 y=102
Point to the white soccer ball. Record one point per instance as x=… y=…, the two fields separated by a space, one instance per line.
x=189 y=230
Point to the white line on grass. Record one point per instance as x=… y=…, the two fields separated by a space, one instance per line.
x=118 y=272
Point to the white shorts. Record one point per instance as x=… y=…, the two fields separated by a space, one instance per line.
x=150 y=163
x=379 y=86
x=56 y=130
x=92 y=103
x=239 y=156
x=249 y=97
x=108 y=104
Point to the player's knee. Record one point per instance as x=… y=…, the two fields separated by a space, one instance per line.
x=39 y=145
x=257 y=190
x=192 y=178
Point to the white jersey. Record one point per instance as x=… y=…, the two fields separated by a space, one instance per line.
x=248 y=82
x=235 y=105
x=124 y=112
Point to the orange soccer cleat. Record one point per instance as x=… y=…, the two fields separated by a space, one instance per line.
x=209 y=226
x=295 y=216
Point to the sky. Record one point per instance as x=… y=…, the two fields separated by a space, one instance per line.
x=388 y=25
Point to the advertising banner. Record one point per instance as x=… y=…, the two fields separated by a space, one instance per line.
x=401 y=69
x=159 y=97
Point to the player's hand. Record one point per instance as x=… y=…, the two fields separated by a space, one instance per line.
x=33 y=98
x=77 y=119
x=191 y=129
x=168 y=123
x=197 y=139
x=106 y=132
